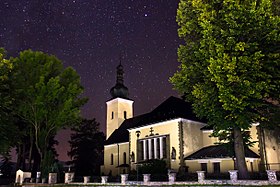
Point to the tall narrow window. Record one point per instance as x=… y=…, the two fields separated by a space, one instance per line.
x=251 y=165
x=152 y=149
x=164 y=147
x=216 y=166
x=140 y=151
x=204 y=167
x=158 y=148
x=146 y=149
x=112 y=159
x=124 y=157
x=124 y=115
x=112 y=115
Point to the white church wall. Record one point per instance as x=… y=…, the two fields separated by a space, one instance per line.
x=272 y=144
x=192 y=137
x=207 y=140
x=113 y=156
x=115 y=113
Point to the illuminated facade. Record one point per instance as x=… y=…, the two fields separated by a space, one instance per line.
x=173 y=133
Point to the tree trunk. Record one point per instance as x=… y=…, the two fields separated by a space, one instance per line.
x=182 y=164
x=240 y=154
x=23 y=157
x=30 y=152
x=263 y=162
x=36 y=163
x=19 y=156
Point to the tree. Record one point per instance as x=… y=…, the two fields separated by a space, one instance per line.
x=230 y=64
x=47 y=96
x=226 y=139
x=10 y=124
x=7 y=127
x=87 y=148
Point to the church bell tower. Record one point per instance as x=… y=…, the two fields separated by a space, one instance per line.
x=120 y=107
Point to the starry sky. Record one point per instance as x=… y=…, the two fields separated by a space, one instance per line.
x=91 y=35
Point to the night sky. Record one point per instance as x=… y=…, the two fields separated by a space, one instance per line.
x=90 y=35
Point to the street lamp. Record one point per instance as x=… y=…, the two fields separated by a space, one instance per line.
x=137 y=135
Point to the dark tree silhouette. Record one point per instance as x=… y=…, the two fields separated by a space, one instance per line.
x=87 y=148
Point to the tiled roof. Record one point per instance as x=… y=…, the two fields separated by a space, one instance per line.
x=171 y=108
x=217 y=151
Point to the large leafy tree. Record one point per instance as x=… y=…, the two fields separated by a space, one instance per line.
x=10 y=124
x=230 y=64
x=87 y=143
x=46 y=97
x=7 y=127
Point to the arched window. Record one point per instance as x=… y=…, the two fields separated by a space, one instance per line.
x=124 y=114
x=124 y=157
x=112 y=117
x=112 y=159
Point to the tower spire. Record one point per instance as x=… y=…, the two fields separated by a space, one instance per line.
x=119 y=90
x=120 y=71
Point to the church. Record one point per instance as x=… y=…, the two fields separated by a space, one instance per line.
x=173 y=133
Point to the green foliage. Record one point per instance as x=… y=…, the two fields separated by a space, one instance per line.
x=226 y=139
x=48 y=164
x=276 y=7
x=47 y=96
x=87 y=144
x=153 y=167
x=7 y=127
x=230 y=61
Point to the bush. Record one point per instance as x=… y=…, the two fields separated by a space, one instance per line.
x=153 y=167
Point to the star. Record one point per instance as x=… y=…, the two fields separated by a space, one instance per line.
x=89 y=36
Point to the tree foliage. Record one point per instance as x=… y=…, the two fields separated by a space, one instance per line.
x=46 y=96
x=230 y=63
x=154 y=167
x=7 y=127
x=226 y=139
x=87 y=148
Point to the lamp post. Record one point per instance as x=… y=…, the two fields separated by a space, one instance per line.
x=137 y=135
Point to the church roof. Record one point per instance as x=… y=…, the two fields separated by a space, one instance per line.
x=207 y=127
x=171 y=108
x=217 y=151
